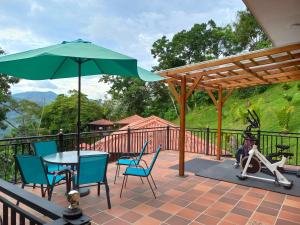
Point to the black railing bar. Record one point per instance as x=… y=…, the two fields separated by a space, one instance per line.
x=41 y=205
x=19 y=210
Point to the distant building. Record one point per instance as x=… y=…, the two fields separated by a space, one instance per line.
x=152 y=129
x=128 y=120
x=101 y=124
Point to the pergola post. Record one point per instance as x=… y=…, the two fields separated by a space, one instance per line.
x=220 y=106
x=182 y=126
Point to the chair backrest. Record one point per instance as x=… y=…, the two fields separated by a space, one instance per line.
x=44 y=148
x=92 y=168
x=142 y=152
x=154 y=158
x=32 y=169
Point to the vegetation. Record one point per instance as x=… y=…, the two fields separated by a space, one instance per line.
x=5 y=95
x=275 y=111
x=62 y=113
x=202 y=42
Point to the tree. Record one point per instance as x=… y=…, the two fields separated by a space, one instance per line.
x=129 y=95
x=62 y=113
x=248 y=33
x=5 y=94
x=202 y=42
x=207 y=41
x=29 y=118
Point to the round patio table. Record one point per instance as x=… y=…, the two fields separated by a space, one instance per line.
x=70 y=158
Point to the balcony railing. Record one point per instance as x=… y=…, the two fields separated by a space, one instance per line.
x=41 y=210
x=198 y=140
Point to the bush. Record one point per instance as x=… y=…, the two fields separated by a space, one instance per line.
x=296 y=98
x=298 y=87
x=248 y=92
x=284 y=116
x=287 y=97
x=286 y=86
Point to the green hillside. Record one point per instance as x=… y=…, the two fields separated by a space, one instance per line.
x=267 y=104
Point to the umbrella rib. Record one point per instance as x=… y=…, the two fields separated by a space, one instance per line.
x=58 y=68
x=98 y=66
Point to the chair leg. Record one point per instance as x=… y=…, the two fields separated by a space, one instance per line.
x=98 y=189
x=122 y=185
x=151 y=187
x=153 y=181
x=126 y=181
x=142 y=180
x=50 y=191
x=117 y=172
x=107 y=195
x=42 y=191
x=119 y=169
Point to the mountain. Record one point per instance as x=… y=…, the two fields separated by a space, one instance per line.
x=41 y=98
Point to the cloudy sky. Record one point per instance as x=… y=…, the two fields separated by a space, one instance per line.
x=127 y=26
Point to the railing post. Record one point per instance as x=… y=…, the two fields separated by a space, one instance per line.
x=258 y=140
x=61 y=140
x=16 y=169
x=128 y=139
x=207 y=141
x=168 y=137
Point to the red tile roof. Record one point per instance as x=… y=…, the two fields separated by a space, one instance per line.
x=117 y=141
x=102 y=122
x=129 y=120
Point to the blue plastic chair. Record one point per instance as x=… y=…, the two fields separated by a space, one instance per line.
x=140 y=171
x=127 y=160
x=33 y=171
x=92 y=171
x=44 y=148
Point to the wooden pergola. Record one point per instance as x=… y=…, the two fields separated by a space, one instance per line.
x=263 y=67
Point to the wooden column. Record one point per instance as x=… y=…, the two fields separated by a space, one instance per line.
x=181 y=100
x=182 y=126
x=220 y=106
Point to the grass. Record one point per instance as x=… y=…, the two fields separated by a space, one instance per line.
x=266 y=104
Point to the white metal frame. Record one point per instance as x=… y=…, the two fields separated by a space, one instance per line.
x=271 y=166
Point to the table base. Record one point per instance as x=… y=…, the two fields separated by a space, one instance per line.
x=83 y=192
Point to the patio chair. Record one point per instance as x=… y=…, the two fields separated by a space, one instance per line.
x=129 y=160
x=33 y=171
x=92 y=171
x=44 y=148
x=140 y=171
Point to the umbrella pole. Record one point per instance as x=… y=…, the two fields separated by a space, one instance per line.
x=82 y=191
x=78 y=108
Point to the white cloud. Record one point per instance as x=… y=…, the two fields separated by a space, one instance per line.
x=14 y=39
x=36 y=7
x=89 y=86
x=129 y=27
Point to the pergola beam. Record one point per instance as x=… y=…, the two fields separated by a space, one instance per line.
x=268 y=66
x=173 y=91
x=246 y=56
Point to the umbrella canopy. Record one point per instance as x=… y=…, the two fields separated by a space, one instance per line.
x=72 y=59
x=61 y=61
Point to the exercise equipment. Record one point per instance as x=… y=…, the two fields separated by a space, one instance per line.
x=253 y=164
x=255 y=161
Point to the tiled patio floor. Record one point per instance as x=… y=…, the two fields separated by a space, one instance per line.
x=190 y=200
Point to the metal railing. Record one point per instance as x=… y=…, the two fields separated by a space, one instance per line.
x=198 y=140
x=41 y=210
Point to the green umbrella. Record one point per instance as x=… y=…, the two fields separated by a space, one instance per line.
x=72 y=59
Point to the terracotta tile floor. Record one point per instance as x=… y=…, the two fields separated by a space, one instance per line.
x=189 y=200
